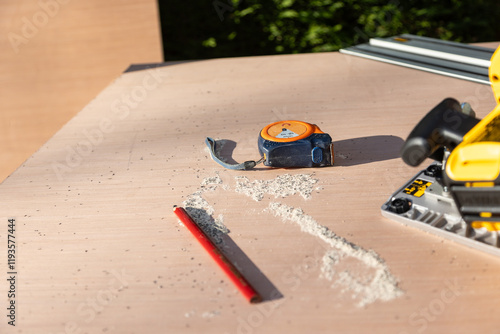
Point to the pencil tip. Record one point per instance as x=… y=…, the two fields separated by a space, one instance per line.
x=256 y=299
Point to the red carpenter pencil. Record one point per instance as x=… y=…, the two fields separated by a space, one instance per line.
x=234 y=275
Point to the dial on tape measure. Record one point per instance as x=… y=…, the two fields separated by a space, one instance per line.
x=286 y=144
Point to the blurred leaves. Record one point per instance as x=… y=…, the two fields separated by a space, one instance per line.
x=200 y=29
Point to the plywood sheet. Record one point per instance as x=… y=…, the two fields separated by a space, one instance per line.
x=99 y=249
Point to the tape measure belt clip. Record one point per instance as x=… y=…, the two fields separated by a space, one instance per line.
x=212 y=146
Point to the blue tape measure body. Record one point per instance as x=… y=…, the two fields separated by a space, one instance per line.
x=313 y=151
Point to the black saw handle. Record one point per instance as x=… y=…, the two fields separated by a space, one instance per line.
x=444 y=126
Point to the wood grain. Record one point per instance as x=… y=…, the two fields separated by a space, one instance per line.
x=58 y=55
x=101 y=251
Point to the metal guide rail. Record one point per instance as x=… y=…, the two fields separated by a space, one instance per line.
x=452 y=59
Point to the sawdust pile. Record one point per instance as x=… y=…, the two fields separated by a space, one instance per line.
x=361 y=273
x=279 y=187
x=368 y=281
x=201 y=211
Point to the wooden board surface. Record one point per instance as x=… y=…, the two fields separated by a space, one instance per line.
x=56 y=56
x=100 y=251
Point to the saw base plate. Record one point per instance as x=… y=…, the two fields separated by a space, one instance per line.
x=432 y=209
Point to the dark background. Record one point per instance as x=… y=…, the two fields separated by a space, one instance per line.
x=201 y=29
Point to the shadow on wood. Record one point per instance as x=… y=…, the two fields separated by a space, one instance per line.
x=363 y=150
x=236 y=256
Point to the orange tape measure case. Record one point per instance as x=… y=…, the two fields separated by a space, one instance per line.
x=295 y=144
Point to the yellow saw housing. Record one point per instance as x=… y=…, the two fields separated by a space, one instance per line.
x=473 y=167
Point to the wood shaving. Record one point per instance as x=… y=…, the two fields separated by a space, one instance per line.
x=375 y=283
x=280 y=187
x=201 y=211
x=361 y=273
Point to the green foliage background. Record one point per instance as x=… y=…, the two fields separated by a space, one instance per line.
x=201 y=29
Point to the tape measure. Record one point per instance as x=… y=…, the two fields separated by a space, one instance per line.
x=287 y=144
